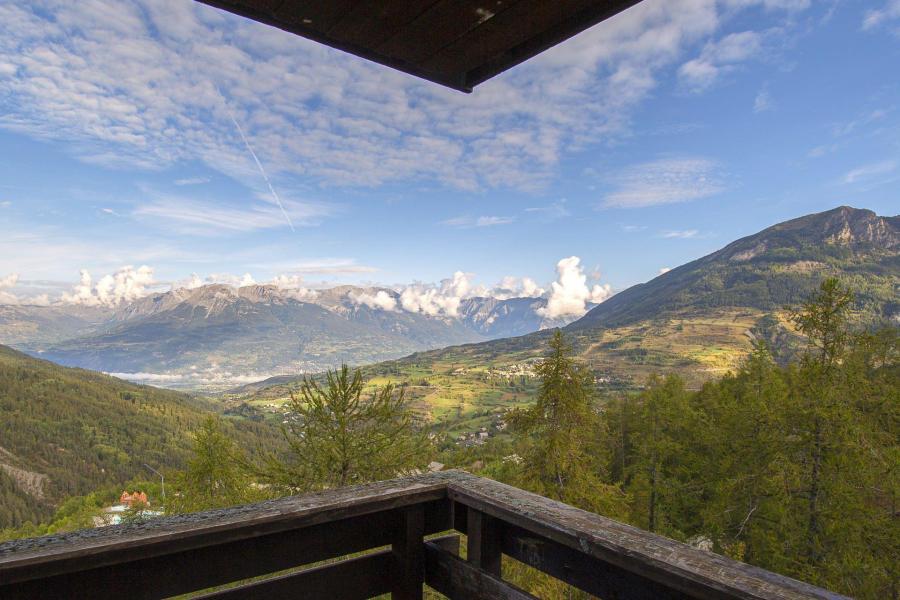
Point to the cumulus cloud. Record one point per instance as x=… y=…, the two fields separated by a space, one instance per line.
x=440 y=300
x=7 y=282
x=380 y=300
x=516 y=287
x=10 y=281
x=294 y=287
x=189 y=283
x=570 y=294
x=125 y=285
x=664 y=181
x=664 y=270
x=146 y=84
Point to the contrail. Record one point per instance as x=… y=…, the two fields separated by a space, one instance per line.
x=261 y=170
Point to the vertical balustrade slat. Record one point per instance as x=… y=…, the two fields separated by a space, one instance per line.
x=408 y=551
x=484 y=541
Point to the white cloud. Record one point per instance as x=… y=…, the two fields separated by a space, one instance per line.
x=664 y=270
x=570 y=293
x=192 y=181
x=5 y=204
x=866 y=172
x=484 y=221
x=197 y=217
x=146 y=83
x=763 y=101
x=877 y=16
x=8 y=281
x=380 y=300
x=664 y=181
x=682 y=234
x=237 y=281
x=440 y=300
x=190 y=283
x=125 y=285
x=295 y=287
x=820 y=151
x=554 y=210
x=719 y=57
x=327 y=266
x=515 y=287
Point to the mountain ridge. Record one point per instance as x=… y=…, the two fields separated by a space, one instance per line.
x=699 y=319
x=803 y=248
x=214 y=332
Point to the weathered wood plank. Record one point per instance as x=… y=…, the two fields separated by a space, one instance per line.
x=408 y=554
x=356 y=25
x=581 y=570
x=484 y=538
x=441 y=24
x=201 y=568
x=458 y=579
x=351 y=579
x=84 y=550
x=296 y=24
x=675 y=565
x=190 y=552
x=512 y=35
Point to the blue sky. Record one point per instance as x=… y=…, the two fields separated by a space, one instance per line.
x=128 y=138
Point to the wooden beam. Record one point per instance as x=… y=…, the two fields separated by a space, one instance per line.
x=483 y=534
x=249 y=10
x=458 y=579
x=201 y=568
x=174 y=555
x=674 y=565
x=580 y=570
x=352 y=579
x=408 y=555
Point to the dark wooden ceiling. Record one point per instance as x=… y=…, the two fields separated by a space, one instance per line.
x=457 y=43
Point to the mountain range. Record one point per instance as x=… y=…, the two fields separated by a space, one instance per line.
x=215 y=335
x=699 y=319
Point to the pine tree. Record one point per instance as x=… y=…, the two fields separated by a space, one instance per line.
x=340 y=436
x=659 y=481
x=561 y=458
x=214 y=477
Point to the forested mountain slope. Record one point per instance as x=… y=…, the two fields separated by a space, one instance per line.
x=66 y=432
x=774 y=268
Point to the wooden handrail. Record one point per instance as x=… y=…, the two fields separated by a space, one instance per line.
x=184 y=553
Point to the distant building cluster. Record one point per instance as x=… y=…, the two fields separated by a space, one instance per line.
x=112 y=515
x=129 y=500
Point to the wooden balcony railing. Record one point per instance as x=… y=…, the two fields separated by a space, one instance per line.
x=186 y=553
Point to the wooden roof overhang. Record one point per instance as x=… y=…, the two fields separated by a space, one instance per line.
x=456 y=43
